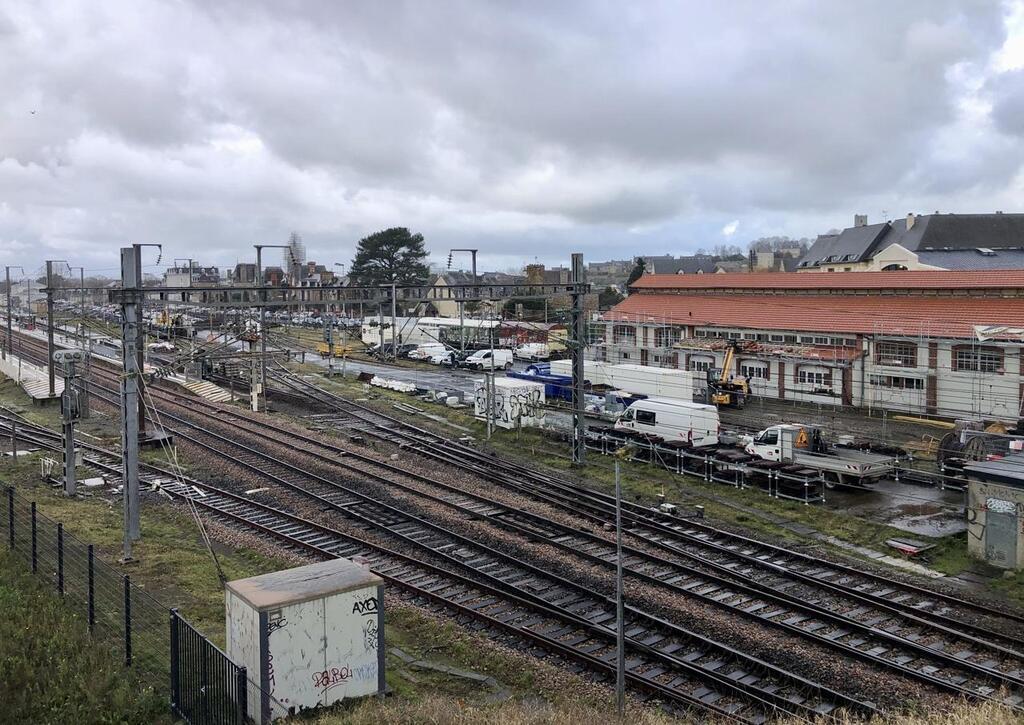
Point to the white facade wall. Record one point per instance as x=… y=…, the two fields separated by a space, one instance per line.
x=931 y=384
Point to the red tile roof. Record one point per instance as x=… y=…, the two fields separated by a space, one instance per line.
x=975 y=279
x=889 y=315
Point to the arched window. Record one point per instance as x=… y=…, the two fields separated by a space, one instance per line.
x=895 y=268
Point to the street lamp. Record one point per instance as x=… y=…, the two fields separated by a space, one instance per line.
x=343 y=310
x=258 y=282
x=81 y=285
x=462 y=323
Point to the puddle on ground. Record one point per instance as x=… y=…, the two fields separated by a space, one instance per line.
x=916 y=510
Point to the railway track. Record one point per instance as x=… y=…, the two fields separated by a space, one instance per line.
x=906 y=616
x=663 y=661
x=598 y=507
x=955 y=660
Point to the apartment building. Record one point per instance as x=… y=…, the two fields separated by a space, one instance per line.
x=940 y=343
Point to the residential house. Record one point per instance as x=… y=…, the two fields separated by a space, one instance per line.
x=959 y=242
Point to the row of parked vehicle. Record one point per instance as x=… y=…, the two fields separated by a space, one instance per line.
x=438 y=353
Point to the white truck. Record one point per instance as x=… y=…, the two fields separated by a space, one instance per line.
x=489 y=360
x=672 y=420
x=803 y=445
x=532 y=351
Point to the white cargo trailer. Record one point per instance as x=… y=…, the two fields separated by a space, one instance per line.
x=652 y=381
x=593 y=370
x=633 y=379
x=309 y=636
x=516 y=403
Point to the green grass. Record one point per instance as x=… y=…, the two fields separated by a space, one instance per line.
x=171 y=562
x=50 y=670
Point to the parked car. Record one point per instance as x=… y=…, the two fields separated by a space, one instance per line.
x=446 y=357
x=489 y=360
x=385 y=352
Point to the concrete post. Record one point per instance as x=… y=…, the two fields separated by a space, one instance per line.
x=394 y=319
x=620 y=632
x=68 y=421
x=131 y=282
x=263 y=333
x=578 y=345
x=50 y=348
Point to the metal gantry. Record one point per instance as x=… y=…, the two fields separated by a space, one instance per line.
x=131 y=296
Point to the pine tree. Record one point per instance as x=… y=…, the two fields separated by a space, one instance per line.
x=638 y=271
x=391 y=255
x=608 y=298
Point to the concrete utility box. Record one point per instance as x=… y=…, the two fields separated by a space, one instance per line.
x=515 y=402
x=308 y=636
x=995 y=511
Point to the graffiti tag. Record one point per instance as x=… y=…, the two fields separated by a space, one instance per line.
x=370 y=635
x=331 y=677
x=275 y=621
x=367 y=606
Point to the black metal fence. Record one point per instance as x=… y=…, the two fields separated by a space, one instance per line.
x=199 y=681
x=126 y=618
x=206 y=686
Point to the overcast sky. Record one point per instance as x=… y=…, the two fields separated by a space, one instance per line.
x=527 y=129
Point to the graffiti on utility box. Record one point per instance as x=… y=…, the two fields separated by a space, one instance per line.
x=513 y=403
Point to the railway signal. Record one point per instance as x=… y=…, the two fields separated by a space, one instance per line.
x=73 y=408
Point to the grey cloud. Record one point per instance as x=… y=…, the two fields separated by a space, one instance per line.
x=218 y=124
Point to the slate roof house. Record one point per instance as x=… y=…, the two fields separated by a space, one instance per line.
x=959 y=242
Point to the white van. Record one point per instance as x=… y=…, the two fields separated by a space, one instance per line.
x=489 y=360
x=673 y=420
x=427 y=350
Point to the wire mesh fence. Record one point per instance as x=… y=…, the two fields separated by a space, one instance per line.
x=199 y=681
x=125 y=618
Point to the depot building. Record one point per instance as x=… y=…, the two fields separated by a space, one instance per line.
x=920 y=342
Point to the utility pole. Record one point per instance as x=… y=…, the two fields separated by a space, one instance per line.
x=344 y=312
x=263 y=315
x=9 y=348
x=620 y=631
x=261 y=298
x=328 y=321
x=579 y=422
x=131 y=282
x=71 y=410
x=50 y=348
x=394 y=321
x=81 y=284
x=490 y=380
x=10 y=310
x=462 y=295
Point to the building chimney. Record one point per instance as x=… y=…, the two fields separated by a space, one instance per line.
x=910 y=221
x=860 y=220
